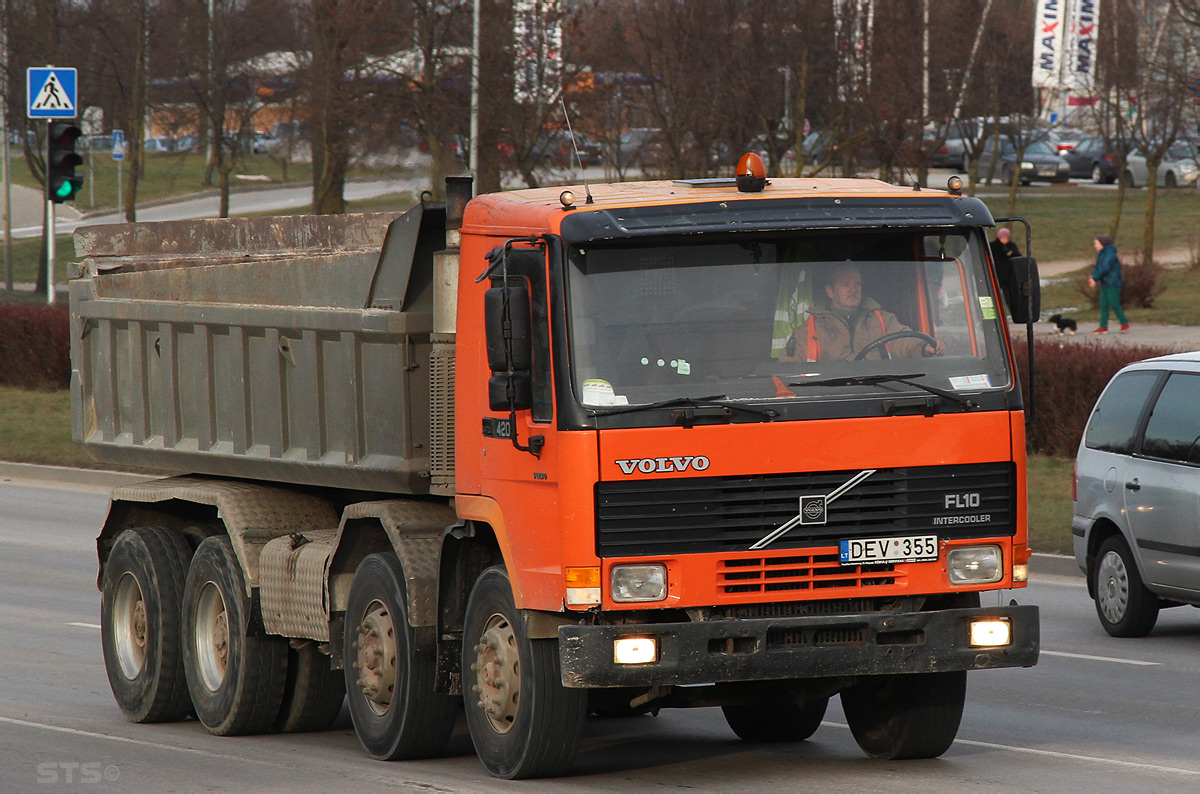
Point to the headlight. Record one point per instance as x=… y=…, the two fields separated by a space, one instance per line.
x=1028 y=166
x=638 y=583
x=635 y=650
x=975 y=565
x=1063 y=166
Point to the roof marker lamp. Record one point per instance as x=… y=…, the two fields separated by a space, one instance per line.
x=567 y=199
x=955 y=185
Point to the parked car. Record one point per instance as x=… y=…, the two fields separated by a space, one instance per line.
x=557 y=149
x=953 y=151
x=1066 y=139
x=1040 y=162
x=1136 y=523
x=1177 y=169
x=1091 y=158
x=638 y=146
x=159 y=143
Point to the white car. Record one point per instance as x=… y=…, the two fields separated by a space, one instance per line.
x=1177 y=169
x=1136 y=522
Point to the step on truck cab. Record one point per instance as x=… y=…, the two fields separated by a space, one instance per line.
x=546 y=453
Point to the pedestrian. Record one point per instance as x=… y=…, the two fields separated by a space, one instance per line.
x=1004 y=250
x=1107 y=273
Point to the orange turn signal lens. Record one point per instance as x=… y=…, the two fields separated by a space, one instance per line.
x=583 y=577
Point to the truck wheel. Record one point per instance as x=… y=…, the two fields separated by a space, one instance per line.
x=141 y=603
x=776 y=722
x=523 y=721
x=236 y=678
x=906 y=715
x=1124 y=605
x=396 y=712
x=313 y=694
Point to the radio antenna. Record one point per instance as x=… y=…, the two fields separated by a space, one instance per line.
x=575 y=146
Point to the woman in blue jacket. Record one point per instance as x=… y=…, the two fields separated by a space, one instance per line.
x=1107 y=273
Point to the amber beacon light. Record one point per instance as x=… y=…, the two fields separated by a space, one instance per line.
x=751 y=174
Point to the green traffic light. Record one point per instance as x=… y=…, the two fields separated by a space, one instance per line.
x=65 y=190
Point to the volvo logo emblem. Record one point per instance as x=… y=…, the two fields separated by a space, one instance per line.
x=813 y=510
x=662 y=465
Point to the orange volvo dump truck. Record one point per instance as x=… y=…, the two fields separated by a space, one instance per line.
x=540 y=454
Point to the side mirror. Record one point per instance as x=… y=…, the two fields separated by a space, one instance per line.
x=1020 y=284
x=508 y=336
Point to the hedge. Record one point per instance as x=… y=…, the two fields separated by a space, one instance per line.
x=35 y=347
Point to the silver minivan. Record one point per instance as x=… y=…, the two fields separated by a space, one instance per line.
x=1136 y=525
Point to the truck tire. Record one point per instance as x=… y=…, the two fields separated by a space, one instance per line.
x=396 y=712
x=776 y=722
x=236 y=678
x=140 y=608
x=906 y=715
x=313 y=694
x=523 y=721
x=1123 y=604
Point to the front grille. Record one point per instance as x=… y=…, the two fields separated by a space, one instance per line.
x=814 y=572
x=692 y=515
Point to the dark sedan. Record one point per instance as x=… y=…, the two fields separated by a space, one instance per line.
x=1092 y=159
x=1040 y=163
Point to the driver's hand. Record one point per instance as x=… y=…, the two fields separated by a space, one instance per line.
x=939 y=350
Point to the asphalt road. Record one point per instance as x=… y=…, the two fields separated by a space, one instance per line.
x=1096 y=714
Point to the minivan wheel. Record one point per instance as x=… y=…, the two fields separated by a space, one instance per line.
x=1125 y=607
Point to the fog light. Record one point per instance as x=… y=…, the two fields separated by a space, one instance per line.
x=990 y=633
x=583 y=586
x=1020 y=573
x=635 y=650
x=974 y=565
x=638 y=583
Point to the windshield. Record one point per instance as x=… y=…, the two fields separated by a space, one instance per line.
x=773 y=318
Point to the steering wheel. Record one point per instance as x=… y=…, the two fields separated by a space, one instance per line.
x=883 y=340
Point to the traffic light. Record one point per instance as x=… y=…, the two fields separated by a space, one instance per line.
x=61 y=159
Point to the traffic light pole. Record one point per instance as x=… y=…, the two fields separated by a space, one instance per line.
x=50 y=252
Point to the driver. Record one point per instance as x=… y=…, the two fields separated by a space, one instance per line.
x=839 y=329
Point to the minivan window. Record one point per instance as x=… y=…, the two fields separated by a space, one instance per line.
x=1173 y=432
x=1113 y=426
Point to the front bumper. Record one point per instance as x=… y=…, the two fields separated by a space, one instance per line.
x=820 y=646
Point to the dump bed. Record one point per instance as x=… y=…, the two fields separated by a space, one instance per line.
x=286 y=349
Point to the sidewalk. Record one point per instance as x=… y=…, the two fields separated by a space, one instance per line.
x=1180 y=337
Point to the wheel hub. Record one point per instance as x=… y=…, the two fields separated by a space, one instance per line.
x=212 y=636
x=129 y=626
x=497 y=670
x=1114 y=590
x=376 y=657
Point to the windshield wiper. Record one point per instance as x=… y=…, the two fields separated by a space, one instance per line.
x=688 y=417
x=906 y=379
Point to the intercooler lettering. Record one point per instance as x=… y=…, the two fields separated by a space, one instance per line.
x=976 y=519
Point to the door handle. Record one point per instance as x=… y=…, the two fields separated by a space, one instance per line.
x=1133 y=486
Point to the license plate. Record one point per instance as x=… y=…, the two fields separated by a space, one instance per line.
x=1047 y=172
x=916 y=548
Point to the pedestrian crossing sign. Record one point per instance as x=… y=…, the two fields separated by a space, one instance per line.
x=52 y=92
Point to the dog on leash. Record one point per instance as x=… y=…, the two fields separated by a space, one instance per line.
x=1065 y=324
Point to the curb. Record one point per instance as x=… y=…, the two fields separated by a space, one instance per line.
x=1054 y=565
x=96 y=478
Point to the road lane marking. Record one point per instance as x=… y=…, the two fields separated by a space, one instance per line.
x=1065 y=756
x=138 y=742
x=1100 y=658
x=97 y=625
